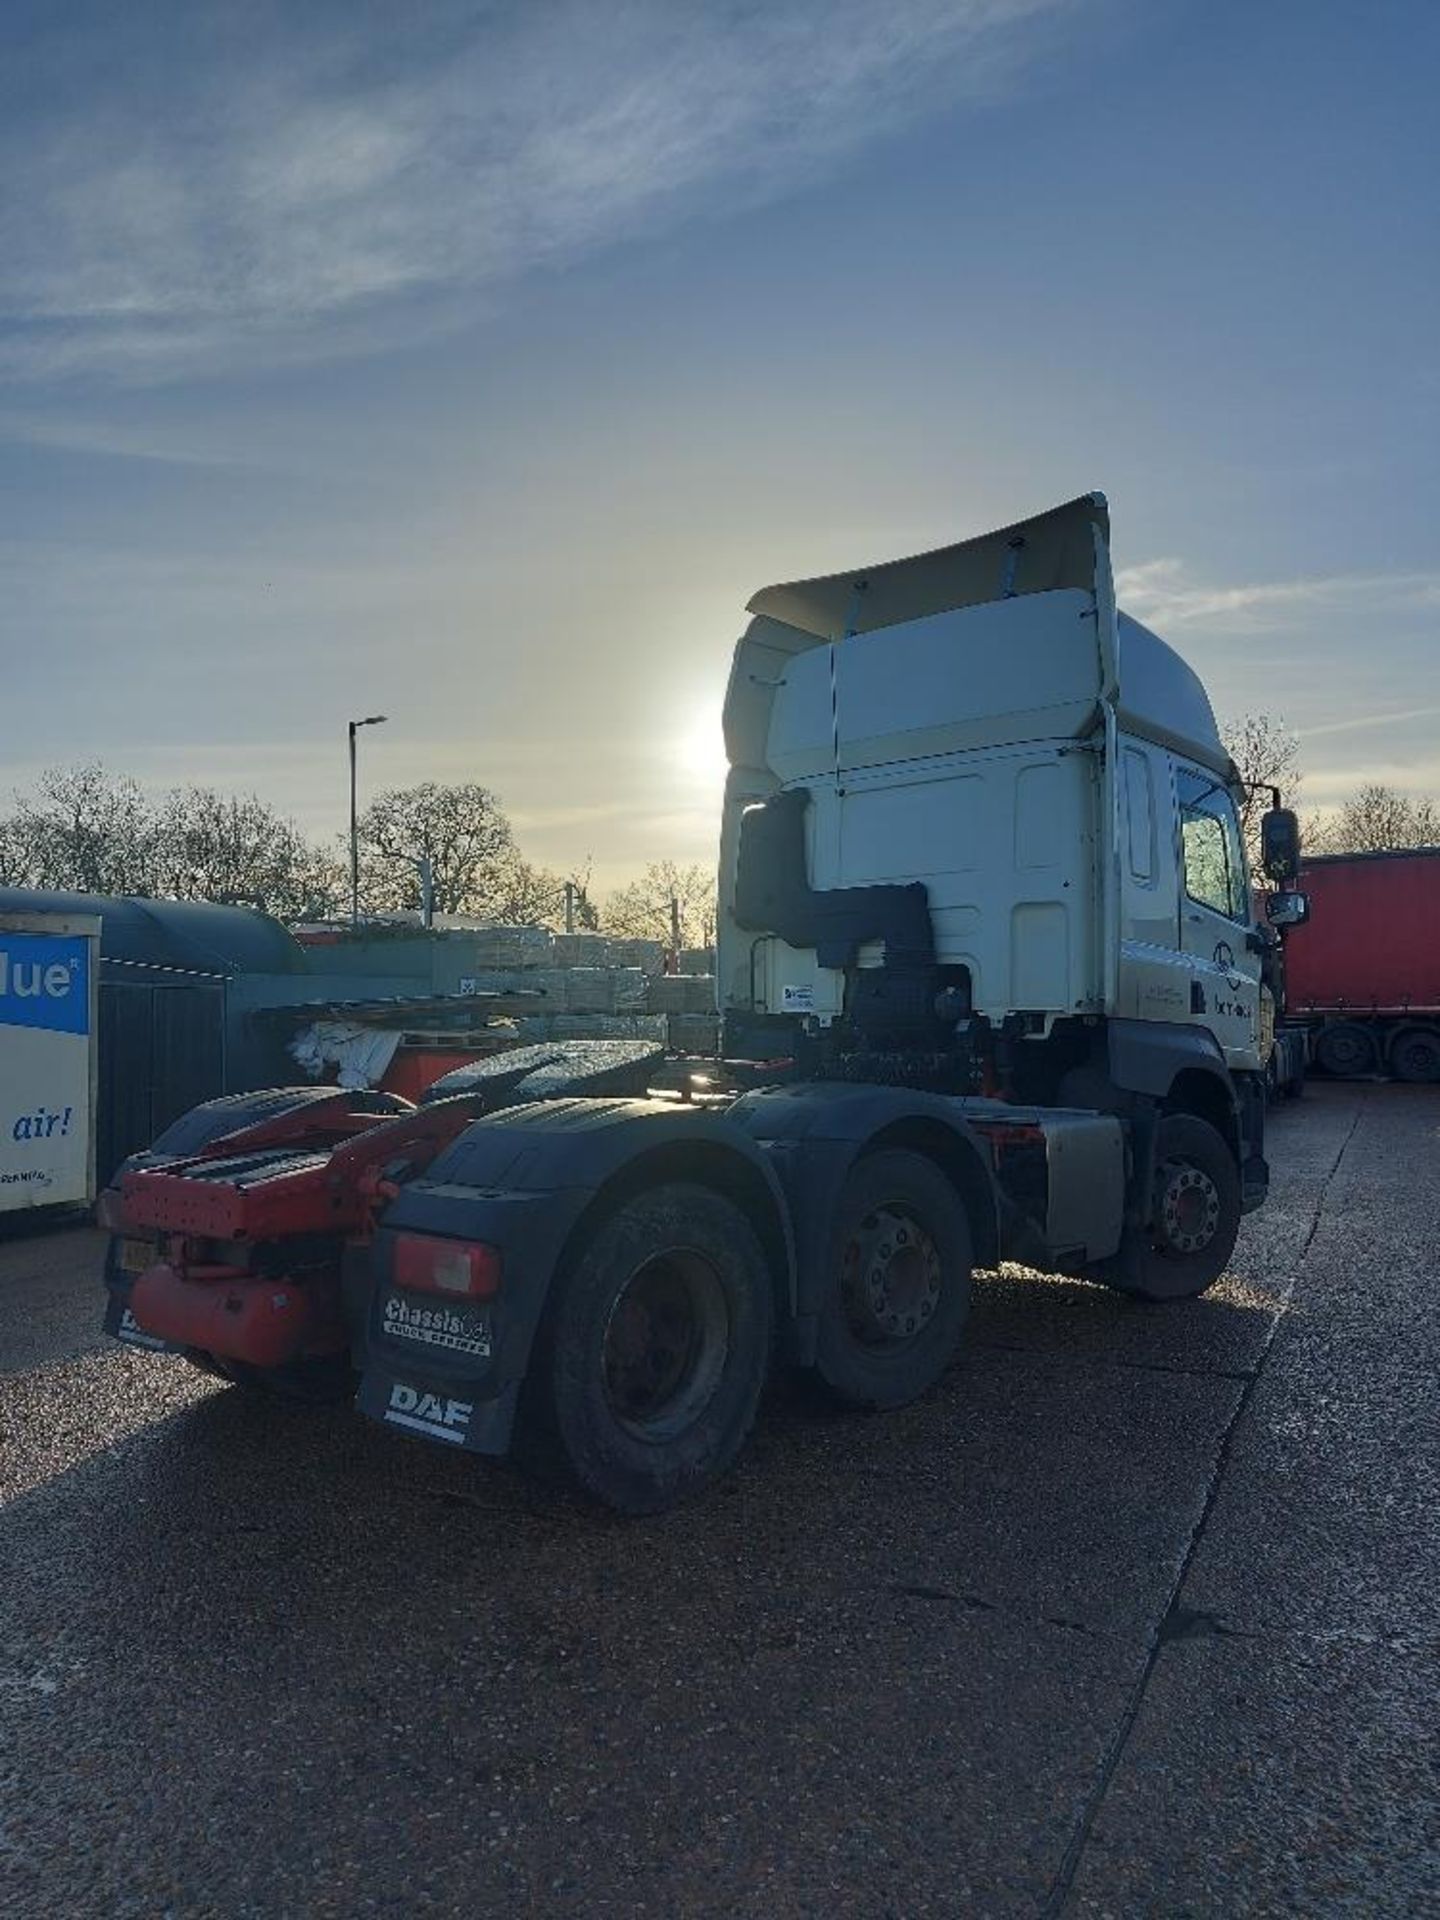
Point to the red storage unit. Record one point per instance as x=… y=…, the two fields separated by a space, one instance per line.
x=1372 y=942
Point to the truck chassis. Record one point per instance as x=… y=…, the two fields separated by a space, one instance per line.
x=599 y=1286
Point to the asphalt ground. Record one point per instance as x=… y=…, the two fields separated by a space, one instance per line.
x=1137 y=1613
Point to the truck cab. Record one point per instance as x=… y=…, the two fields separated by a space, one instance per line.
x=976 y=812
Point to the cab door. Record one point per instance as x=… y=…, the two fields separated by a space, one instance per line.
x=1215 y=923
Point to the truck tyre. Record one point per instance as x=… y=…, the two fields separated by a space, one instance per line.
x=1415 y=1056
x=897 y=1282
x=1197 y=1217
x=1346 y=1049
x=657 y=1345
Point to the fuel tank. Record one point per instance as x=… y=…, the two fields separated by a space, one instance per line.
x=263 y=1321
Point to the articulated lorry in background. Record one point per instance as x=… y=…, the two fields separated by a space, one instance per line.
x=1362 y=980
x=991 y=989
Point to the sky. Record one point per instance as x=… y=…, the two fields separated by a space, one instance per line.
x=474 y=364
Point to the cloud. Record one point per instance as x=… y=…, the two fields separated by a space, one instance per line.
x=329 y=181
x=1165 y=592
x=1394 y=716
x=111 y=441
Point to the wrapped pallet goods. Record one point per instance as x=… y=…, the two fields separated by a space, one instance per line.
x=648 y=955
x=607 y=1026
x=695 y=960
x=554 y=983
x=693 y=1033
x=589 y=990
x=581 y=950
x=507 y=947
x=631 y=989
x=682 y=993
x=549 y=981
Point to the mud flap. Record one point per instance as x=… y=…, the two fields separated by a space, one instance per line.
x=1254 y=1183
x=439 y=1410
x=121 y=1324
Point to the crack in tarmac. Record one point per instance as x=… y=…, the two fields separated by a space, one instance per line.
x=1173 y=1614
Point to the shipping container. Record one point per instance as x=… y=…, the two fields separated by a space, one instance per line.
x=1362 y=975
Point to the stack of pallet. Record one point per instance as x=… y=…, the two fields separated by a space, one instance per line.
x=507 y=948
x=582 y=950
x=682 y=993
x=593 y=987
x=648 y=955
x=687 y=1000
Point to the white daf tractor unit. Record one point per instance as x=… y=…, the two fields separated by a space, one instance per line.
x=990 y=987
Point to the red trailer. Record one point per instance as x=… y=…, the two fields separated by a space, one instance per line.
x=1363 y=973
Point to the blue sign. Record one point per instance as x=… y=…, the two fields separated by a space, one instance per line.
x=45 y=982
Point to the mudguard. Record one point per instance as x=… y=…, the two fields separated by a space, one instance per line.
x=528 y=1180
x=814 y=1132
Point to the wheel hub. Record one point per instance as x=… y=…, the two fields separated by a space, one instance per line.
x=1189 y=1209
x=890 y=1277
x=665 y=1345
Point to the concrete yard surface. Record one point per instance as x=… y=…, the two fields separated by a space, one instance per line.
x=1138 y=1613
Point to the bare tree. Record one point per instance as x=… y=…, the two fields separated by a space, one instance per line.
x=1379 y=819
x=460 y=829
x=667 y=899
x=89 y=831
x=216 y=846
x=17 y=861
x=583 y=910
x=1267 y=754
x=523 y=895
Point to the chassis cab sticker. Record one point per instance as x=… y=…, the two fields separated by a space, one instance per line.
x=448 y=1327
x=428 y=1413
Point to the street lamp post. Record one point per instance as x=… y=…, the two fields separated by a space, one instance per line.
x=372 y=720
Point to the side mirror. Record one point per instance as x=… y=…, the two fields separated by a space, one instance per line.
x=1287 y=909
x=1280 y=844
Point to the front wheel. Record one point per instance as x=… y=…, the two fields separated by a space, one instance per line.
x=1196 y=1216
x=897 y=1283
x=658 y=1345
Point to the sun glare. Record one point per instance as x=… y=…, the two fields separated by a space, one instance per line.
x=700 y=752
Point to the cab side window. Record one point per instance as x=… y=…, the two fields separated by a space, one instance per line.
x=1210 y=842
x=1140 y=816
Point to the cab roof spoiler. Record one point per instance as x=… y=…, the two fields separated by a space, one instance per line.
x=1051 y=550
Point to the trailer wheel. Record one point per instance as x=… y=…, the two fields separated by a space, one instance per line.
x=1415 y=1056
x=655 y=1353
x=898 y=1282
x=1346 y=1049
x=1197 y=1217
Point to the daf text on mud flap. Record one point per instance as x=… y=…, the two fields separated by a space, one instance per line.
x=427 y=1413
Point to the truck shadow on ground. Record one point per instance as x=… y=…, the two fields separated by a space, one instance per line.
x=247 y=1611
x=1071 y=1424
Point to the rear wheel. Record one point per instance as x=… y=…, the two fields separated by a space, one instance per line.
x=656 y=1351
x=1196 y=1217
x=1415 y=1056
x=897 y=1282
